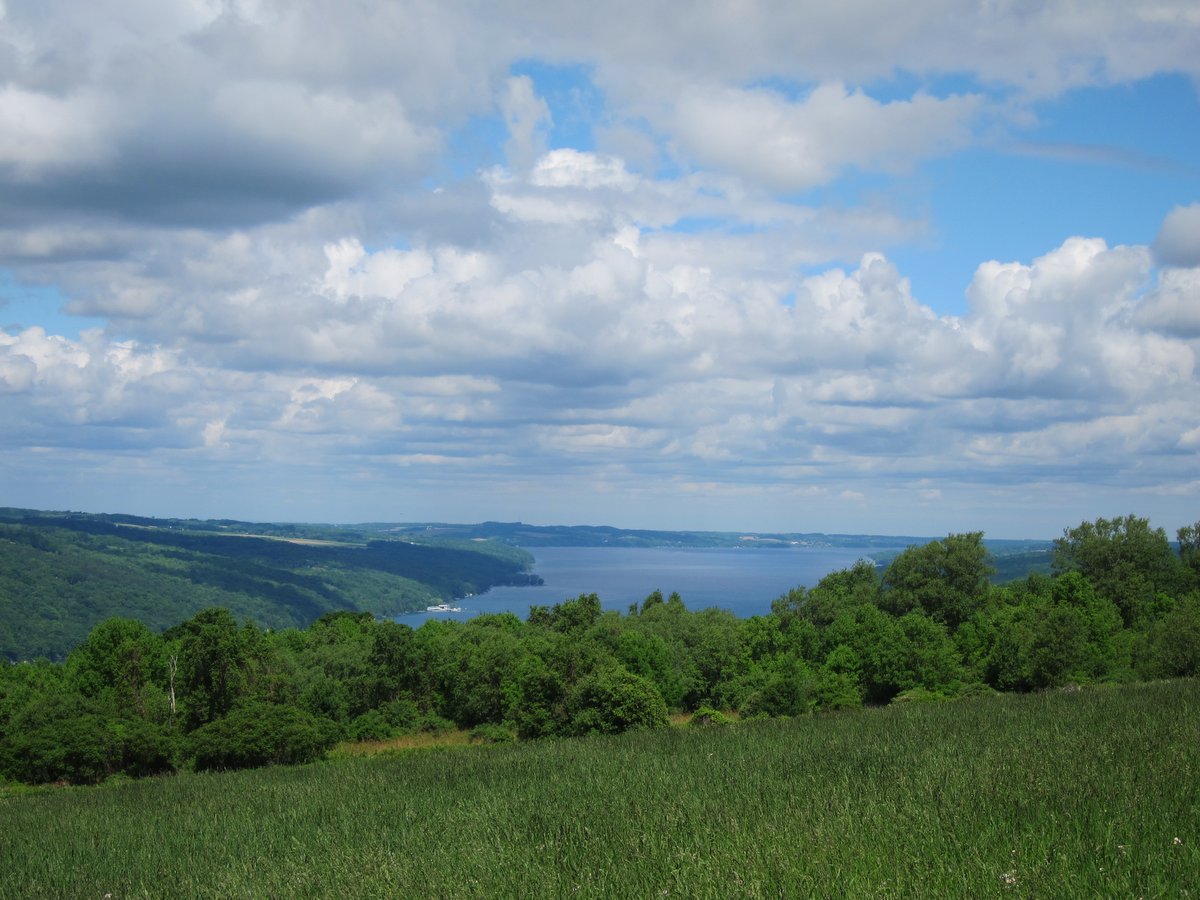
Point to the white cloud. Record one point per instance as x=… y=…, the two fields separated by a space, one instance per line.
x=311 y=245
x=44 y=131
x=1173 y=307
x=566 y=168
x=793 y=146
x=528 y=119
x=1178 y=242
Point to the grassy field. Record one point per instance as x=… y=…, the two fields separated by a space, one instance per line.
x=1086 y=794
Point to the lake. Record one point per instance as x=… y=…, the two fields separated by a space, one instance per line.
x=743 y=580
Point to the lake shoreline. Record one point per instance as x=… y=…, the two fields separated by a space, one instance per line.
x=744 y=580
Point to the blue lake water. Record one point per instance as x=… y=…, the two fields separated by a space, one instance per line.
x=743 y=580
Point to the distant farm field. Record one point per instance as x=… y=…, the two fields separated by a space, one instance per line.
x=1093 y=793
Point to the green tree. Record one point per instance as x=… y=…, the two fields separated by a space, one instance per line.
x=123 y=664
x=570 y=616
x=839 y=683
x=1127 y=562
x=947 y=579
x=834 y=594
x=1189 y=550
x=788 y=688
x=541 y=704
x=1171 y=647
x=212 y=664
x=392 y=663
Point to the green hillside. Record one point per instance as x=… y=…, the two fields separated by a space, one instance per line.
x=63 y=573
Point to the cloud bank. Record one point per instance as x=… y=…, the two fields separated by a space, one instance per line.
x=360 y=264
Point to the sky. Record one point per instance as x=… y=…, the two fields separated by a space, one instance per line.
x=864 y=267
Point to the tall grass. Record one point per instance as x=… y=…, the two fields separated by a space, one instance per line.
x=1089 y=794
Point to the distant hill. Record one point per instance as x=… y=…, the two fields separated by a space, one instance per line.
x=1013 y=559
x=524 y=535
x=62 y=573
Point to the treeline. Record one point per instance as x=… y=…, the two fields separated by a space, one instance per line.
x=62 y=574
x=211 y=693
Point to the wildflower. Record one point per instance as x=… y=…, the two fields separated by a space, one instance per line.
x=1177 y=842
x=1008 y=879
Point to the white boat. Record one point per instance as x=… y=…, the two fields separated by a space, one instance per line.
x=443 y=607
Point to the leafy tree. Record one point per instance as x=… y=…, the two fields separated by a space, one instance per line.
x=876 y=643
x=541 y=705
x=1106 y=650
x=1171 y=647
x=371 y=726
x=834 y=594
x=1057 y=646
x=1126 y=560
x=570 y=616
x=123 y=664
x=80 y=750
x=1189 y=549
x=788 y=688
x=213 y=661
x=647 y=654
x=839 y=681
x=947 y=579
x=391 y=663
x=485 y=683
x=931 y=661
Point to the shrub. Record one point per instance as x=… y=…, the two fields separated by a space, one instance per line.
x=260 y=734
x=706 y=716
x=371 y=726
x=81 y=750
x=432 y=723
x=401 y=712
x=614 y=700
x=918 y=695
x=493 y=734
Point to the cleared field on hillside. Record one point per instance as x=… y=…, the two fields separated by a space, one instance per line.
x=1082 y=794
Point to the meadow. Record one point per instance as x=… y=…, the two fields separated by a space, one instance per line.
x=1081 y=793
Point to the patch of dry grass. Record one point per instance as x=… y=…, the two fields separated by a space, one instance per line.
x=421 y=740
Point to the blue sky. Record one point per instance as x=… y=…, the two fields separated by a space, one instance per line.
x=772 y=267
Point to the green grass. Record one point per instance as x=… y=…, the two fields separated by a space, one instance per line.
x=1087 y=794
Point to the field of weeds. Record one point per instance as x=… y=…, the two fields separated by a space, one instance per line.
x=1094 y=793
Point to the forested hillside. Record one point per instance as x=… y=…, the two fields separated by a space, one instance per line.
x=62 y=574
x=212 y=692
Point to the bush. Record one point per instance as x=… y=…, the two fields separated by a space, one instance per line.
x=81 y=750
x=432 y=723
x=493 y=734
x=87 y=748
x=614 y=700
x=919 y=695
x=371 y=726
x=260 y=734
x=706 y=716
x=401 y=712
x=146 y=748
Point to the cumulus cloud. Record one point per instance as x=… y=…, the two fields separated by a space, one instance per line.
x=1178 y=241
x=616 y=359
x=798 y=145
x=1173 y=307
x=527 y=118
x=302 y=259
